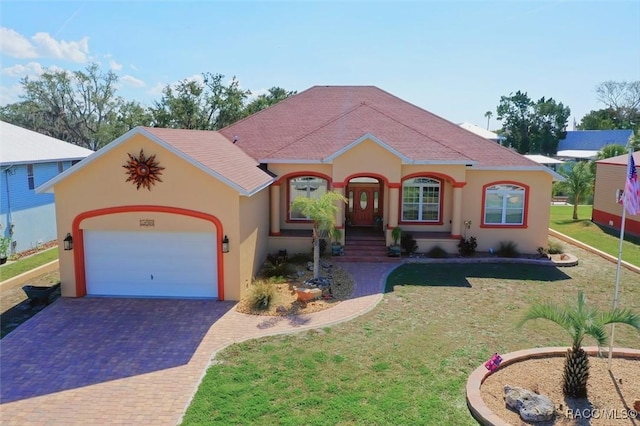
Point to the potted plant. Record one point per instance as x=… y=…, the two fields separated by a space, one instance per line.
x=4 y=249
x=395 y=249
x=336 y=245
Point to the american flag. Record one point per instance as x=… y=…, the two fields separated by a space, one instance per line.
x=631 y=196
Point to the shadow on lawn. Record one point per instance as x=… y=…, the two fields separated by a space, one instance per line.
x=80 y=342
x=457 y=275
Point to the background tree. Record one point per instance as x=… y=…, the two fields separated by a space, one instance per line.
x=622 y=109
x=607 y=151
x=488 y=114
x=206 y=105
x=78 y=107
x=579 y=183
x=275 y=95
x=580 y=321
x=322 y=212
x=532 y=127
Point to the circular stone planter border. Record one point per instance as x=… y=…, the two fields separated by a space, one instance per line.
x=476 y=404
x=564 y=259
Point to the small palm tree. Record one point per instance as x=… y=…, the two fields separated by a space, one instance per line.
x=580 y=321
x=579 y=183
x=322 y=211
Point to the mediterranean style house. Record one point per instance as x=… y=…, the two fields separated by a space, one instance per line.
x=187 y=213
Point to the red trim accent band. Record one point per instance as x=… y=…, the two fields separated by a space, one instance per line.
x=78 y=238
x=458 y=184
x=439 y=176
x=394 y=185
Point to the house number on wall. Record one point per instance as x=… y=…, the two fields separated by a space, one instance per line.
x=147 y=222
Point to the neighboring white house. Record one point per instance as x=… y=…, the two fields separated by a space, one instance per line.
x=27 y=160
x=487 y=134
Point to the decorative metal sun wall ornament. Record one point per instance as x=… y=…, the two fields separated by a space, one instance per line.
x=143 y=171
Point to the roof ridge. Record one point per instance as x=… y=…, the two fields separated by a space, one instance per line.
x=328 y=122
x=416 y=130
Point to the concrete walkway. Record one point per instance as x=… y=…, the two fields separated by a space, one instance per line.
x=132 y=361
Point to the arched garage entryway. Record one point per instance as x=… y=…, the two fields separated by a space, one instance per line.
x=149 y=263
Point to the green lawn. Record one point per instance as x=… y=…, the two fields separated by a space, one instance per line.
x=406 y=361
x=589 y=233
x=28 y=263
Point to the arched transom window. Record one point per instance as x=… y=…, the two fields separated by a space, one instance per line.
x=304 y=186
x=504 y=205
x=421 y=200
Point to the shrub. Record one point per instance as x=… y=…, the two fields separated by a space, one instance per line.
x=408 y=244
x=437 y=252
x=467 y=247
x=507 y=249
x=276 y=266
x=555 y=248
x=301 y=258
x=261 y=294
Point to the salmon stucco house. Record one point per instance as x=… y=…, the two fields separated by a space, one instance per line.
x=186 y=213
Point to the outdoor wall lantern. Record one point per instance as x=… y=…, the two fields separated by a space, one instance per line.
x=68 y=242
x=225 y=245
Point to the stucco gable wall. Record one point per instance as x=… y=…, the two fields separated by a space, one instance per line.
x=528 y=238
x=101 y=184
x=367 y=158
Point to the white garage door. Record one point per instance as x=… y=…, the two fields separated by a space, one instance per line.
x=151 y=264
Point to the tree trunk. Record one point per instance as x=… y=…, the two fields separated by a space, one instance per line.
x=316 y=254
x=575 y=209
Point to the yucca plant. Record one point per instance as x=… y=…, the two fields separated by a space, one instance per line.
x=580 y=321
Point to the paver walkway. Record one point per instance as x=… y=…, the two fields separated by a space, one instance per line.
x=96 y=361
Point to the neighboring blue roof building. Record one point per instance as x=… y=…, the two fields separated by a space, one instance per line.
x=29 y=159
x=585 y=144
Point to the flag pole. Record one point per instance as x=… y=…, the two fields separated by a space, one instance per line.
x=617 y=285
x=615 y=292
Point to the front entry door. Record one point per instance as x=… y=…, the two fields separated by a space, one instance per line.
x=365 y=204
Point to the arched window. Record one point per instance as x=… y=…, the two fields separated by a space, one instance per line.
x=421 y=200
x=304 y=186
x=504 y=205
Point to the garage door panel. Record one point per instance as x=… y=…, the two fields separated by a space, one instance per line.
x=151 y=264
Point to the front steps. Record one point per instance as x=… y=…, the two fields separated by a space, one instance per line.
x=365 y=245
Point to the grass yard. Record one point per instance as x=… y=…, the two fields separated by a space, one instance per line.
x=589 y=233
x=406 y=361
x=28 y=263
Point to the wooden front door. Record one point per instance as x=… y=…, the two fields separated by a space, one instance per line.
x=366 y=204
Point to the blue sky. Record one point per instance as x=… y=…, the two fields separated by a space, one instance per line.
x=453 y=58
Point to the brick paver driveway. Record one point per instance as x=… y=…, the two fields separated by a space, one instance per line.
x=138 y=361
x=99 y=343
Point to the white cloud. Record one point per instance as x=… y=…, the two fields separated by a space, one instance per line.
x=133 y=67
x=76 y=51
x=31 y=70
x=114 y=65
x=15 y=45
x=10 y=94
x=159 y=87
x=19 y=70
x=132 y=81
x=255 y=93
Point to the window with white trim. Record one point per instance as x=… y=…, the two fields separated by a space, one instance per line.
x=305 y=186
x=504 y=205
x=421 y=200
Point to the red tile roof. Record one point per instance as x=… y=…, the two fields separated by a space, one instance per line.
x=213 y=151
x=322 y=120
